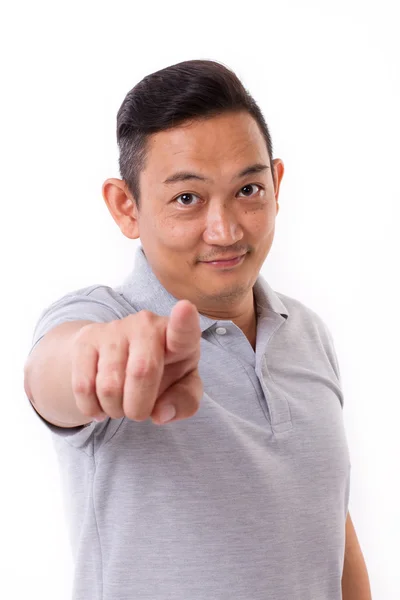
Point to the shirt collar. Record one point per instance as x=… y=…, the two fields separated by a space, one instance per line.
x=143 y=291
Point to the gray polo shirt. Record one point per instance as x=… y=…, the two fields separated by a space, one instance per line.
x=247 y=499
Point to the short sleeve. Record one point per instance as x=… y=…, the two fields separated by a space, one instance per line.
x=333 y=359
x=332 y=353
x=97 y=303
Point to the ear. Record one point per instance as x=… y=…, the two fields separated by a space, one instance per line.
x=279 y=169
x=122 y=206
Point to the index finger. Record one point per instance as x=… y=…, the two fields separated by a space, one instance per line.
x=183 y=331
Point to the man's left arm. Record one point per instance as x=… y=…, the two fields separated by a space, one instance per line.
x=355 y=581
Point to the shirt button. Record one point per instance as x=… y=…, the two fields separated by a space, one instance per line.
x=220 y=330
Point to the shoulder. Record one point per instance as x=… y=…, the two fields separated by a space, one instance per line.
x=306 y=325
x=97 y=302
x=299 y=312
x=99 y=298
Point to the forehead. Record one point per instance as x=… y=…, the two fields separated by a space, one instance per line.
x=218 y=144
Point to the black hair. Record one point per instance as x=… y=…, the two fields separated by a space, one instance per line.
x=189 y=90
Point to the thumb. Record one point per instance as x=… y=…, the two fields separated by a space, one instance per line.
x=183 y=331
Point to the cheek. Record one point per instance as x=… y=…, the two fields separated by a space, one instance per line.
x=178 y=235
x=260 y=223
x=158 y=230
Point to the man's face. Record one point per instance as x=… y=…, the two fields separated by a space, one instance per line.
x=185 y=223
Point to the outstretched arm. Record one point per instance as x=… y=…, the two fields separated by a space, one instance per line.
x=355 y=581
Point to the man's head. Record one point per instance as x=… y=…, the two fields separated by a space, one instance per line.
x=198 y=181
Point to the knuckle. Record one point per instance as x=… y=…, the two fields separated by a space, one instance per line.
x=112 y=370
x=112 y=347
x=146 y=316
x=80 y=339
x=108 y=390
x=193 y=407
x=83 y=387
x=181 y=342
x=197 y=353
x=192 y=410
x=195 y=394
x=84 y=335
x=143 y=367
x=109 y=387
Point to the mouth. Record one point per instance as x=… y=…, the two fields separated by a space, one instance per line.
x=226 y=262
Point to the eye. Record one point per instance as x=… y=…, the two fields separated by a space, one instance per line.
x=249 y=186
x=186 y=199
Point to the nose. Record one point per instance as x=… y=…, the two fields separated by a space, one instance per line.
x=222 y=226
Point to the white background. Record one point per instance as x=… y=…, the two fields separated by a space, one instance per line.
x=326 y=75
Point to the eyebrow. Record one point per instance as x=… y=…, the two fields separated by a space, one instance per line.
x=186 y=175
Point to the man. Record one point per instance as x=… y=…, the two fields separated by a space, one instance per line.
x=197 y=413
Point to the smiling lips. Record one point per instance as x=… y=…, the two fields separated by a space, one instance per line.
x=225 y=259
x=225 y=263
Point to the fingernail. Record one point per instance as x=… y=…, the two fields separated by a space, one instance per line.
x=167 y=413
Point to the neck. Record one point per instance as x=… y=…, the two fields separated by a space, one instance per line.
x=244 y=317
